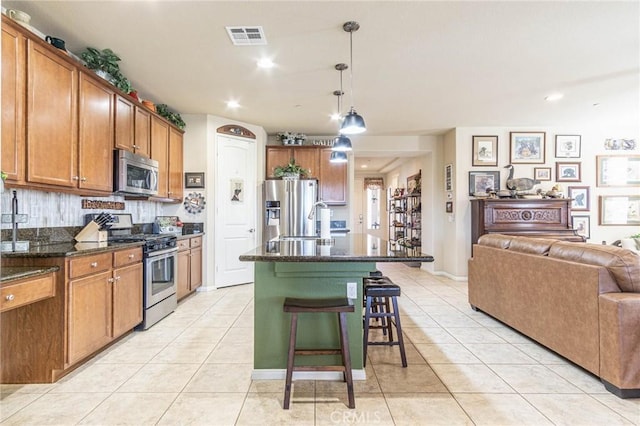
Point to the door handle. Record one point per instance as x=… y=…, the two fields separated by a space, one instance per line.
x=252 y=230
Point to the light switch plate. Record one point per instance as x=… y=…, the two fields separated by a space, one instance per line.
x=352 y=290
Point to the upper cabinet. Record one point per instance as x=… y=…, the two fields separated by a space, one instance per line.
x=14 y=80
x=332 y=177
x=60 y=123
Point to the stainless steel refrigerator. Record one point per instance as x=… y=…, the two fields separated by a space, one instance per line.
x=287 y=205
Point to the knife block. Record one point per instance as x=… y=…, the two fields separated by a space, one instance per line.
x=91 y=233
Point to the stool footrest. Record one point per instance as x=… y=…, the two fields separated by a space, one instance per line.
x=384 y=343
x=318 y=351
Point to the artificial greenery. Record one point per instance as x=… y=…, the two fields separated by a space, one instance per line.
x=635 y=236
x=291 y=168
x=107 y=61
x=173 y=117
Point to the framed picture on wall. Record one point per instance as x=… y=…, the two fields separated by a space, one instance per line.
x=567 y=146
x=568 y=172
x=582 y=225
x=485 y=151
x=193 y=180
x=618 y=170
x=579 y=198
x=542 y=173
x=480 y=182
x=527 y=147
x=620 y=210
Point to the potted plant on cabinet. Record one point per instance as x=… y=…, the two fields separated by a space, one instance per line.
x=173 y=117
x=105 y=64
x=290 y=171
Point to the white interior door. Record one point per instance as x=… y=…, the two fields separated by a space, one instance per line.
x=235 y=218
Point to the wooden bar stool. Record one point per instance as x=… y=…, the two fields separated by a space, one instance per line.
x=380 y=293
x=341 y=306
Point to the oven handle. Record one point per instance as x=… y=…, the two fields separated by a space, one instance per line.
x=168 y=252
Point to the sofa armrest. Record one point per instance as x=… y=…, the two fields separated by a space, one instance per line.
x=620 y=340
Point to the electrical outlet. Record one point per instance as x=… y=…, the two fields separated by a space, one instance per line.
x=352 y=290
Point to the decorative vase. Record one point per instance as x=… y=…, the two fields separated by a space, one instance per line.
x=288 y=141
x=290 y=176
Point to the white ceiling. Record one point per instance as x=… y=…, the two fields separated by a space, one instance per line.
x=420 y=67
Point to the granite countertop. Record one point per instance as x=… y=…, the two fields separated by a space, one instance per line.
x=185 y=236
x=350 y=248
x=70 y=248
x=11 y=273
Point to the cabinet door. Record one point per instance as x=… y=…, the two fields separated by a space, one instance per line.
x=142 y=132
x=175 y=164
x=160 y=153
x=124 y=119
x=332 y=181
x=52 y=132
x=127 y=298
x=183 y=273
x=196 y=268
x=276 y=156
x=89 y=315
x=95 y=137
x=308 y=158
x=14 y=80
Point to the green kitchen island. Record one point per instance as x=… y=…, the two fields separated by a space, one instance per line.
x=311 y=268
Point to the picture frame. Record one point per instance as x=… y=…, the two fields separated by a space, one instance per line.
x=619 y=210
x=579 y=198
x=618 y=170
x=194 y=180
x=568 y=146
x=479 y=182
x=484 y=151
x=448 y=177
x=542 y=173
x=413 y=184
x=568 y=172
x=582 y=225
x=527 y=147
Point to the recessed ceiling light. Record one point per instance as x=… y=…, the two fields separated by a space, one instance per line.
x=265 y=63
x=233 y=104
x=364 y=166
x=554 y=97
x=335 y=116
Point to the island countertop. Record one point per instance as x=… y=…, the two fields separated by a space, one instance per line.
x=348 y=248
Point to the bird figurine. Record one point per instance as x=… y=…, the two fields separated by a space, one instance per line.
x=518 y=184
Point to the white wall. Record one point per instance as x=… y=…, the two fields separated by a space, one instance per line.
x=200 y=155
x=458 y=146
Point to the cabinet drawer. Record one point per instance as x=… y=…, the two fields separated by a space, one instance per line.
x=183 y=244
x=28 y=291
x=127 y=257
x=89 y=265
x=196 y=242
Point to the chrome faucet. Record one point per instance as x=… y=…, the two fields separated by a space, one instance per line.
x=312 y=213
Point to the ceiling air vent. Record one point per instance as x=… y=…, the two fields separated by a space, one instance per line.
x=246 y=36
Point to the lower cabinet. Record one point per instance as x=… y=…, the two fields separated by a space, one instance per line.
x=189 y=265
x=105 y=300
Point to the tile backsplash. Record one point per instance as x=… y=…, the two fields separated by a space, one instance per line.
x=54 y=209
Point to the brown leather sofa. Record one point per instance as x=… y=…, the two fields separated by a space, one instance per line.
x=580 y=300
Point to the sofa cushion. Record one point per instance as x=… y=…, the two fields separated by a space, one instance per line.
x=622 y=264
x=495 y=240
x=529 y=245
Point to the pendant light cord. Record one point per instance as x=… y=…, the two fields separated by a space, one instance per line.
x=351 y=66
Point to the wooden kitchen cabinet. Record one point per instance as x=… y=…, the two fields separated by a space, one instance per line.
x=132 y=126
x=95 y=135
x=175 y=167
x=52 y=133
x=189 y=265
x=332 y=183
x=14 y=80
x=127 y=298
x=160 y=153
x=306 y=157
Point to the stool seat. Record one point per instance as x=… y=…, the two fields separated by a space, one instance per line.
x=318 y=305
x=381 y=290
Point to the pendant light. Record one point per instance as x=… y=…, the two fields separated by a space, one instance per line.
x=338 y=157
x=341 y=142
x=353 y=123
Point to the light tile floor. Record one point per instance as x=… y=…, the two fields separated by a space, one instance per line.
x=194 y=368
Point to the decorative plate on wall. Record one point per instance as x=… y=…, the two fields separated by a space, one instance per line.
x=194 y=202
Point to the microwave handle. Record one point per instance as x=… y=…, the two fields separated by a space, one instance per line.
x=152 y=180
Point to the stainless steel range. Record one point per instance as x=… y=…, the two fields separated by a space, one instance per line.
x=160 y=257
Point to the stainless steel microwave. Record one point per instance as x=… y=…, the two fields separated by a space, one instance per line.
x=134 y=174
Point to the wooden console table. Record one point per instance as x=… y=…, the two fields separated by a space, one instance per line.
x=543 y=218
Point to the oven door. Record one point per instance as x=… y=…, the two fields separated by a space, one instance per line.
x=160 y=276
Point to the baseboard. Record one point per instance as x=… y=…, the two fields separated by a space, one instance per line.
x=279 y=374
x=448 y=275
